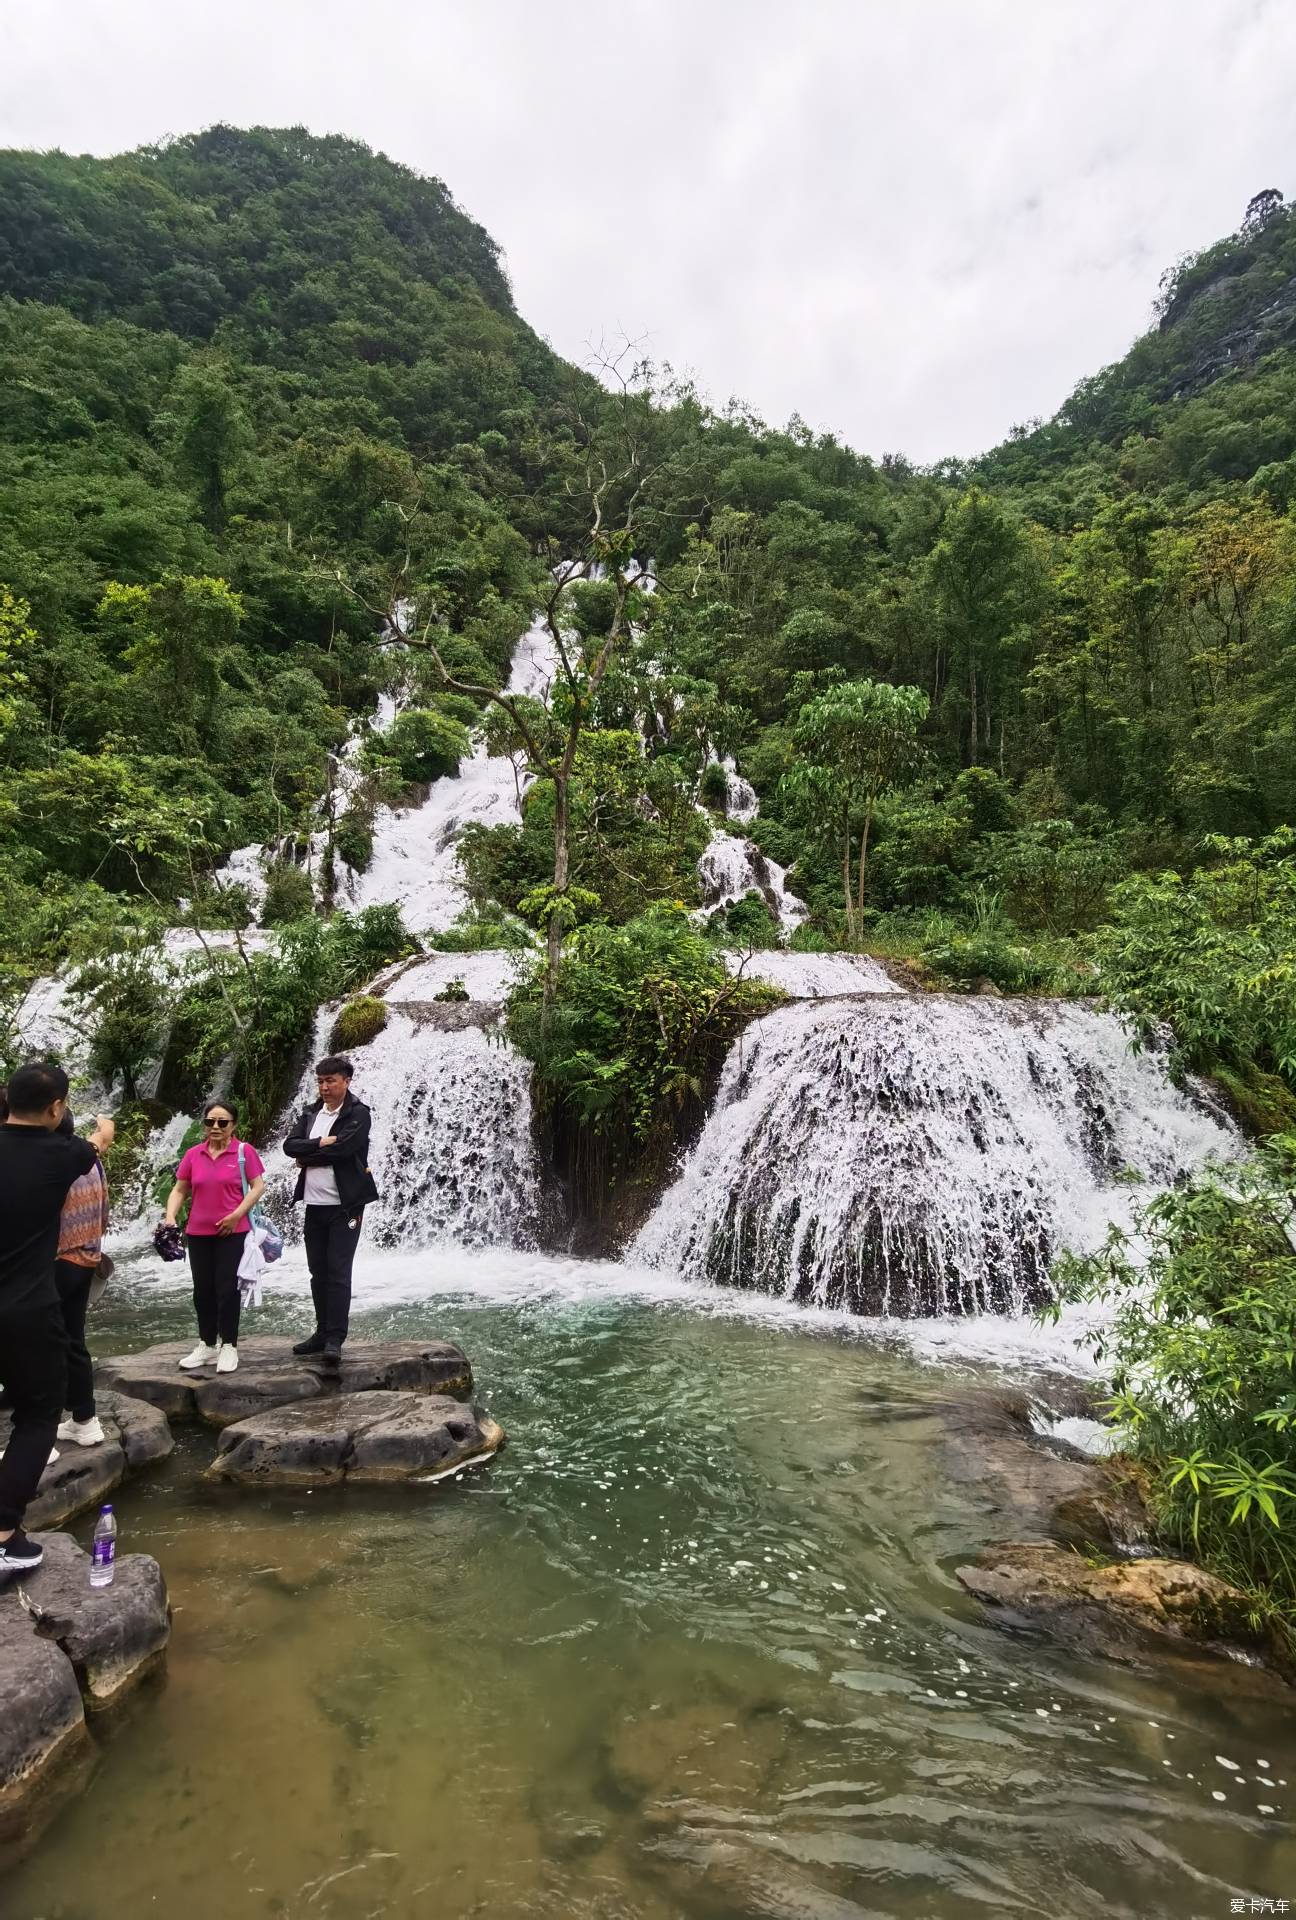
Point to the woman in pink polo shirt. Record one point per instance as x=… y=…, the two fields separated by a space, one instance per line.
x=208 y=1178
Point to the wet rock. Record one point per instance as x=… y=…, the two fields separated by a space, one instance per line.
x=1034 y=1485
x=112 y=1635
x=1123 y=1608
x=270 y=1375
x=135 y=1434
x=373 y=1436
x=67 y=1648
x=42 y=1720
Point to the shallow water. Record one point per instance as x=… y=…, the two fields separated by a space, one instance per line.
x=691 y=1648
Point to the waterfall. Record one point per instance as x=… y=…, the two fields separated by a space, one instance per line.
x=906 y=1154
x=451 y=1148
x=731 y=868
x=415 y=849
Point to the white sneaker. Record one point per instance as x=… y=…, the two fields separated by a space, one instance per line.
x=228 y=1361
x=83 y=1433
x=202 y=1356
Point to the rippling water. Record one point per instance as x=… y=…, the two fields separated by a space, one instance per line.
x=691 y=1648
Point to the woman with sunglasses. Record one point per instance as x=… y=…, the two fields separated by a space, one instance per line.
x=208 y=1178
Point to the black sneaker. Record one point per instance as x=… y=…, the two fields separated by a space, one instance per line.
x=314 y=1345
x=19 y=1554
x=332 y=1354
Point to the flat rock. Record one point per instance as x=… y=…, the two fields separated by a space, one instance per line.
x=1127 y=1607
x=112 y=1635
x=67 y=1648
x=271 y=1375
x=372 y=1436
x=134 y=1435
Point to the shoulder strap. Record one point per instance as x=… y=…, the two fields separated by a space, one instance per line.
x=242 y=1169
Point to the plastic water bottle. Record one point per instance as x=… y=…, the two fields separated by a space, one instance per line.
x=103 y=1553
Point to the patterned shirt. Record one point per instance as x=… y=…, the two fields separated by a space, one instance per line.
x=84 y=1220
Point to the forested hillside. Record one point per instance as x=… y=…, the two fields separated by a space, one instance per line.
x=275 y=439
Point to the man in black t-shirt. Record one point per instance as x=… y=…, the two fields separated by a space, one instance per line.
x=37 y=1167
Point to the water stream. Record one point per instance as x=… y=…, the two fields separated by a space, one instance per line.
x=690 y=1649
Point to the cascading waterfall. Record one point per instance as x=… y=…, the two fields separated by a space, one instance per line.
x=415 y=849
x=906 y=1154
x=451 y=1148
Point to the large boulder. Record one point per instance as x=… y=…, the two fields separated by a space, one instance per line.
x=1125 y=1608
x=67 y=1648
x=135 y=1434
x=377 y=1436
x=112 y=1635
x=271 y=1375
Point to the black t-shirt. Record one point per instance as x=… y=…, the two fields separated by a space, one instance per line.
x=36 y=1169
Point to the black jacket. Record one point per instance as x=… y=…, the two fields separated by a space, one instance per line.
x=348 y=1156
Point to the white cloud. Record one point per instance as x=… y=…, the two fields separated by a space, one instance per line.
x=913 y=223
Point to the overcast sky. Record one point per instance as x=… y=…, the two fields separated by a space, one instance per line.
x=914 y=223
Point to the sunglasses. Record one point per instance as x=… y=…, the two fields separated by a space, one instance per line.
x=218 y=1123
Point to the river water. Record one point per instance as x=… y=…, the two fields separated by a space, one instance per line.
x=691 y=1648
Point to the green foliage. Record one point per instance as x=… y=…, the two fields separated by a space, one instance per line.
x=256 y=1010
x=125 y=999
x=1214 y=955
x=641 y=1016
x=422 y=744
x=748 y=925
x=1201 y=1354
x=713 y=788
x=359 y=1021
x=453 y=991
x=289 y=894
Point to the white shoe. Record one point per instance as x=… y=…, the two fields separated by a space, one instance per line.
x=202 y=1356
x=228 y=1361
x=83 y=1433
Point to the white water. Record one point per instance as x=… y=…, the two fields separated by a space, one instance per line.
x=917 y=1155
x=741 y=803
x=488 y=975
x=815 y=976
x=730 y=869
x=415 y=858
x=451 y=1148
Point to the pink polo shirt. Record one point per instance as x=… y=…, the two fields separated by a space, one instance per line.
x=215 y=1185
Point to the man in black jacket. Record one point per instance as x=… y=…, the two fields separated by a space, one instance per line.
x=330 y=1143
x=37 y=1167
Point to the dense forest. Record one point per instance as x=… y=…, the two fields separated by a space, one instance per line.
x=275 y=439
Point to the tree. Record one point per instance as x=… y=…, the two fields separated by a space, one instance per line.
x=211 y=436
x=981 y=576
x=177 y=632
x=857 y=740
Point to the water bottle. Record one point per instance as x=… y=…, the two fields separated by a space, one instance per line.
x=103 y=1553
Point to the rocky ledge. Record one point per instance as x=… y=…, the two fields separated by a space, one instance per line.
x=270 y=1375
x=1125 y=1608
x=409 y=1438
x=135 y=1434
x=67 y=1649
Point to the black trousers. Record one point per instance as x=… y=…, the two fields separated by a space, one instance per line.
x=214 y=1262
x=332 y=1235
x=73 y=1283
x=33 y=1366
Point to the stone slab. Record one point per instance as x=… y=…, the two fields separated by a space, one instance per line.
x=112 y=1635
x=271 y=1375
x=376 y=1437
x=67 y=1648
x=135 y=1434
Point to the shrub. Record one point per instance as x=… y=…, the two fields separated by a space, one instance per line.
x=1213 y=955
x=289 y=894
x=1199 y=1350
x=360 y=1021
x=713 y=789
x=354 y=838
x=422 y=745
x=452 y=990
x=747 y=923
